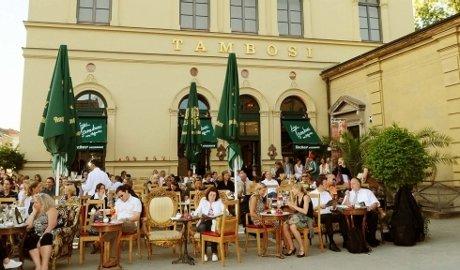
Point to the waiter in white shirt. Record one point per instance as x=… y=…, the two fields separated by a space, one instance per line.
x=359 y=195
x=95 y=177
x=244 y=193
x=327 y=218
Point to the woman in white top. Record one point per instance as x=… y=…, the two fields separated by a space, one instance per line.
x=210 y=207
x=298 y=169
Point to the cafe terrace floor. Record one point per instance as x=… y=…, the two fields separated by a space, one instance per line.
x=440 y=251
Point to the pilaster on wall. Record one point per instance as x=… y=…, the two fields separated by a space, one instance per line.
x=375 y=92
x=449 y=53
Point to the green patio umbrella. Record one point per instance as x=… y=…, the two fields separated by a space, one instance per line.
x=191 y=129
x=228 y=119
x=59 y=127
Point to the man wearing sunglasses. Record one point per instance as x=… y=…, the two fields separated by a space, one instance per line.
x=127 y=210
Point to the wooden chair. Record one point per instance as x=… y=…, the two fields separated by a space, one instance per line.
x=161 y=206
x=258 y=230
x=179 y=201
x=7 y=200
x=317 y=227
x=130 y=238
x=87 y=222
x=227 y=233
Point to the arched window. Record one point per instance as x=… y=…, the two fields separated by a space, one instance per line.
x=293 y=107
x=203 y=106
x=248 y=104
x=91 y=103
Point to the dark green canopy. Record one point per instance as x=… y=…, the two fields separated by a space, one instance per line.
x=302 y=134
x=191 y=129
x=228 y=119
x=59 y=127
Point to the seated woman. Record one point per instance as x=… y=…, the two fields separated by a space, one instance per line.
x=8 y=189
x=100 y=194
x=34 y=188
x=303 y=217
x=257 y=204
x=40 y=224
x=69 y=195
x=209 y=207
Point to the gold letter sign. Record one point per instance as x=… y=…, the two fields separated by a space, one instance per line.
x=200 y=47
x=177 y=42
x=225 y=48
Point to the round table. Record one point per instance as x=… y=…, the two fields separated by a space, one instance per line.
x=184 y=256
x=280 y=218
x=107 y=228
x=20 y=232
x=349 y=213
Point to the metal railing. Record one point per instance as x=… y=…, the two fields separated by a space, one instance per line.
x=439 y=196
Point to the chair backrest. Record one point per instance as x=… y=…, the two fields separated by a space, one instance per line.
x=161 y=206
x=199 y=195
x=88 y=219
x=317 y=210
x=229 y=223
x=7 y=200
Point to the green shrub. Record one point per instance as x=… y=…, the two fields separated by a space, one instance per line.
x=396 y=157
x=11 y=158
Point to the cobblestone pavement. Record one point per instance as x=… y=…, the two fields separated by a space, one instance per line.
x=440 y=251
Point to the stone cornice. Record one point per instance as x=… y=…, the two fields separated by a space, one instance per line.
x=400 y=44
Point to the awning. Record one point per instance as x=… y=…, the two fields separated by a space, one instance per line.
x=207 y=131
x=302 y=134
x=93 y=133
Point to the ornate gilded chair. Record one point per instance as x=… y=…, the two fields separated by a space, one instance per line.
x=161 y=206
x=69 y=220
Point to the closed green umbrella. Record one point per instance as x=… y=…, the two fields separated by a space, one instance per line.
x=191 y=129
x=228 y=119
x=59 y=127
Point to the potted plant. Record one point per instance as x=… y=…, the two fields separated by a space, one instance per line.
x=397 y=158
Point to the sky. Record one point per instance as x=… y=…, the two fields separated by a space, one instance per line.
x=12 y=39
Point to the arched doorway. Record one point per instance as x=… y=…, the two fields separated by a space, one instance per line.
x=92 y=117
x=297 y=134
x=250 y=133
x=208 y=137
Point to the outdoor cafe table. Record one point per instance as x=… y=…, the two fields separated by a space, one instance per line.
x=280 y=218
x=105 y=228
x=184 y=256
x=12 y=233
x=349 y=213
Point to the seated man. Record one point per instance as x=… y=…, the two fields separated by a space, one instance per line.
x=359 y=195
x=128 y=210
x=327 y=218
x=271 y=185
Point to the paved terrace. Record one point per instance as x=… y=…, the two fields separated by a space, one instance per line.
x=440 y=251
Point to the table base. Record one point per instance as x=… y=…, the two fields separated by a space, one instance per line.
x=185 y=258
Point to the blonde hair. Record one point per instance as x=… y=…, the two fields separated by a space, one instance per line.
x=71 y=189
x=46 y=201
x=300 y=187
x=258 y=187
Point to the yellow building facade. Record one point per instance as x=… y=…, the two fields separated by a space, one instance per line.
x=138 y=58
x=413 y=81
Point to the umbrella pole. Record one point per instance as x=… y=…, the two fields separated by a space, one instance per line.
x=235 y=173
x=194 y=168
x=58 y=170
